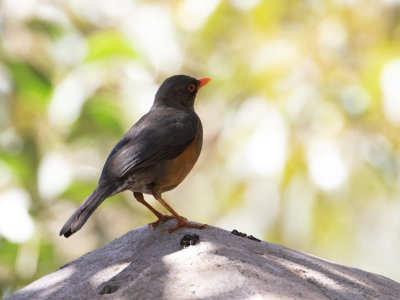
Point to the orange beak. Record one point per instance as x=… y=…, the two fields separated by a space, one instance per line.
x=204 y=81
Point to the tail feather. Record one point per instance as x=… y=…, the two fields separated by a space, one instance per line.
x=80 y=216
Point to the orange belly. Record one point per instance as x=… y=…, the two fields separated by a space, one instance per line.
x=179 y=167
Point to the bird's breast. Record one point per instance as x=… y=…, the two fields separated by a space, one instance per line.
x=179 y=167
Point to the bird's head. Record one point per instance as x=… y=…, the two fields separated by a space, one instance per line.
x=179 y=90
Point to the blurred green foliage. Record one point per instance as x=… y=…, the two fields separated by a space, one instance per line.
x=108 y=44
x=301 y=135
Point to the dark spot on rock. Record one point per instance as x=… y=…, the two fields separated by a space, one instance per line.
x=253 y=238
x=241 y=234
x=235 y=232
x=189 y=240
x=108 y=289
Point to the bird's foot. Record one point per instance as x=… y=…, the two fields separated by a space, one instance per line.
x=160 y=219
x=183 y=222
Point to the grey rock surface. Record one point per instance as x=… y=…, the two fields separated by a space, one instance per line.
x=144 y=264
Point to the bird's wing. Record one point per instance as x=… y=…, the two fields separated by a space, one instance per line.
x=144 y=146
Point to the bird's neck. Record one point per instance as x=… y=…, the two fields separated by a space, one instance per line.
x=177 y=105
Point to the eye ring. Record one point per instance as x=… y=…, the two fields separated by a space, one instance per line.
x=191 y=87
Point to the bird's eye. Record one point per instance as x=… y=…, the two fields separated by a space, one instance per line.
x=191 y=87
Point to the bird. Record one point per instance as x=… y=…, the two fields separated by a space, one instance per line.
x=154 y=155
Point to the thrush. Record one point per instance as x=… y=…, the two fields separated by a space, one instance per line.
x=154 y=156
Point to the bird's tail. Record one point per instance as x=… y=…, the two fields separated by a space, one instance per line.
x=80 y=216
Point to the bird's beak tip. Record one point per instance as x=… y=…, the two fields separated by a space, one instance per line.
x=204 y=81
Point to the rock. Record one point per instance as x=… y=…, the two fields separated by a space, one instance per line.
x=204 y=264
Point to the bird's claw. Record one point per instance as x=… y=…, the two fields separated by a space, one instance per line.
x=183 y=222
x=160 y=219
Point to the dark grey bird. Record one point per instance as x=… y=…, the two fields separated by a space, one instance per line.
x=154 y=156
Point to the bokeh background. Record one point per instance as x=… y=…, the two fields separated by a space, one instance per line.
x=301 y=122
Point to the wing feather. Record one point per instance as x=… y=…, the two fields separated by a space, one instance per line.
x=144 y=146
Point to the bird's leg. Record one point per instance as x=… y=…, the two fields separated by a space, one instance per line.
x=182 y=222
x=139 y=197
